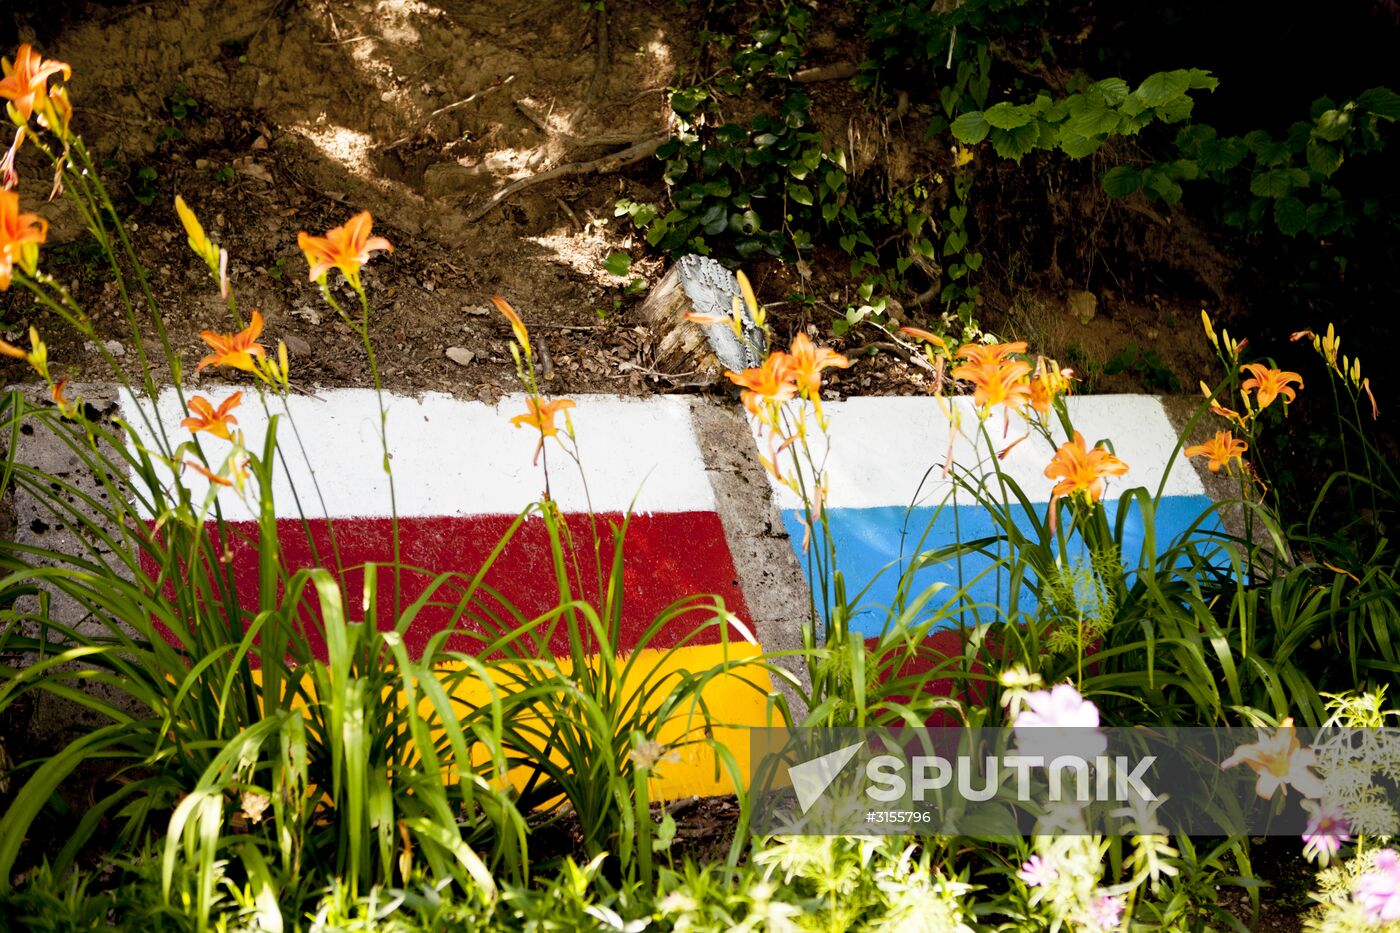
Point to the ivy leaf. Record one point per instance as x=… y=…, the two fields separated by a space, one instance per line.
x=715 y=220
x=1290 y=215
x=1006 y=116
x=1381 y=101
x=971 y=128
x=1013 y=144
x=1163 y=86
x=1323 y=158
x=801 y=194
x=1121 y=181
x=1221 y=155
x=617 y=263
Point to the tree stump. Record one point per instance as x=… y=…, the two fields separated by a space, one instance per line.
x=691 y=354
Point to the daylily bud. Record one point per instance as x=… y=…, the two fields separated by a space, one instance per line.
x=1210 y=331
x=197 y=239
x=747 y=290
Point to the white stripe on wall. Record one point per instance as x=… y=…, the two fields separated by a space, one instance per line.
x=454 y=457
x=881 y=448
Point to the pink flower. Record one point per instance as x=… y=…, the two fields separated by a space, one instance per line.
x=1060 y=708
x=1325 y=833
x=1379 y=889
x=1105 y=910
x=1036 y=872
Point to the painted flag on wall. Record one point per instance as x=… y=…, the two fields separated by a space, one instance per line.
x=462 y=473
x=901 y=479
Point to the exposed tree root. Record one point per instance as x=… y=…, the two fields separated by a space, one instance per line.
x=602 y=166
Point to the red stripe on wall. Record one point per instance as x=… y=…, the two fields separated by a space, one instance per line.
x=668 y=556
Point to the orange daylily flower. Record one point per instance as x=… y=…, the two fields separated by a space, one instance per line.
x=26 y=81
x=208 y=474
x=345 y=248
x=20 y=236
x=997 y=379
x=1279 y=761
x=806 y=361
x=236 y=350
x=517 y=326
x=540 y=416
x=1269 y=384
x=64 y=403
x=205 y=417
x=1080 y=470
x=9 y=178
x=1049 y=382
x=1217 y=409
x=9 y=349
x=706 y=320
x=772 y=382
x=1221 y=449
x=983 y=354
x=59 y=113
x=926 y=336
x=1375 y=409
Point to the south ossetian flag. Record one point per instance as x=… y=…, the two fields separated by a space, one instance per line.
x=889 y=498
x=461 y=474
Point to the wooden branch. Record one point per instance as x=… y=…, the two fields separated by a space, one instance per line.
x=602 y=166
x=833 y=72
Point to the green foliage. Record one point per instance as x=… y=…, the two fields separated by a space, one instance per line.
x=1082 y=121
x=181 y=103
x=915 y=38
x=1290 y=181
x=747 y=190
x=775 y=186
x=1147 y=365
x=143 y=185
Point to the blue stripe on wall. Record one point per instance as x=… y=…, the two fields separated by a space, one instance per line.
x=870 y=540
